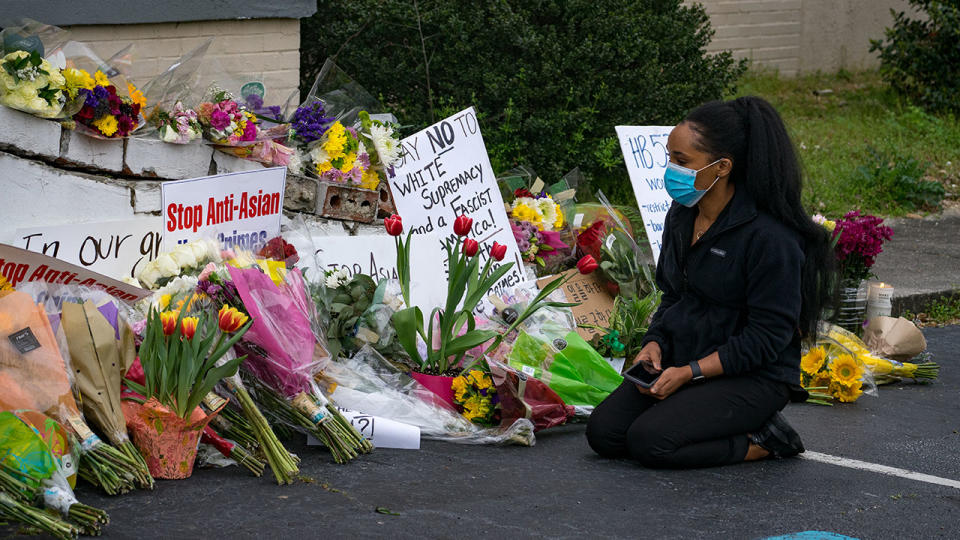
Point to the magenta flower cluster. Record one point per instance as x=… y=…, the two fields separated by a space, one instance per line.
x=859 y=239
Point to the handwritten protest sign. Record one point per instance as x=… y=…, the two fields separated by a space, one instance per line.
x=239 y=209
x=596 y=304
x=376 y=256
x=112 y=248
x=382 y=432
x=21 y=266
x=444 y=171
x=645 y=152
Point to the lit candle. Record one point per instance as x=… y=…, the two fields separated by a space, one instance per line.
x=879 y=300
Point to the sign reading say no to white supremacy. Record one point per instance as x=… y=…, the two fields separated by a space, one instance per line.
x=444 y=172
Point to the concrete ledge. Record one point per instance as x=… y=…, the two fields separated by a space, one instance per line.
x=29 y=134
x=225 y=163
x=80 y=150
x=917 y=302
x=157 y=159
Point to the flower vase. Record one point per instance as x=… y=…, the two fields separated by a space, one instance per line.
x=168 y=443
x=851 y=306
x=440 y=385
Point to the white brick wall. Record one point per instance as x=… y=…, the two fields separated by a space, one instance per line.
x=267 y=49
x=798 y=36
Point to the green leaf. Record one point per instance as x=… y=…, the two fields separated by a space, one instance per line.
x=470 y=340
x=409 y=323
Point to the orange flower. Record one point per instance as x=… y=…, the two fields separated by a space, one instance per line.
x=168 y=319
x=188 y=326
x=231 y=319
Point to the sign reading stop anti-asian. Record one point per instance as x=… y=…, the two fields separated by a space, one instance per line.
x=112 y=248
x=645 y=153
x=239 y=209
x=444 y=172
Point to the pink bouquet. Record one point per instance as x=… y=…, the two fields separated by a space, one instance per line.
x=858 y=239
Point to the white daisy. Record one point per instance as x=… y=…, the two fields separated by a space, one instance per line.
x=387 y=147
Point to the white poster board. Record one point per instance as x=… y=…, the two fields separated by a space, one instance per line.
x=444 y=171
x=240 y=209
x=376 y=256
x=645 y=153
x=112 y=248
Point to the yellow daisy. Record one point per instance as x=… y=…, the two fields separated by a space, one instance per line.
x=459 y=387
x=812 y=362
x=101 y=78
x=4 y=284
x=845 y=370
x=107 y=124
x=370 y=179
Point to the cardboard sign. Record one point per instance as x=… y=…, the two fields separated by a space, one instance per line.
x=112 y=248
x=22 y=266
x=444 y=172
x=645 y=153
x=376 y=256
x=596 y=304
x=239 y=209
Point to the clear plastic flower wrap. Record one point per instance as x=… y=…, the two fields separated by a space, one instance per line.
x=834 y=370
x=30 y=69
x=172 y=97
x=367 y=382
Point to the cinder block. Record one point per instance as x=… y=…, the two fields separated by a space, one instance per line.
x=29 y=134
x=156 y=159
x=79 y=149
x=225 y=163
x=340 y=201
x=301 y=194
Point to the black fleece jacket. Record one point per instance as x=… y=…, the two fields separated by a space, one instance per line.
x=736 y=291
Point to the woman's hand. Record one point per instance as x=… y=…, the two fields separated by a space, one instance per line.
x=650 y=356
x=670 y=381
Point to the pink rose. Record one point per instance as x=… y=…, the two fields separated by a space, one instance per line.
x=207 y=270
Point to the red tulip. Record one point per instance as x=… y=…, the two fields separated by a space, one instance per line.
x=470 y=247
x=188 y=327
x=587 y=265
x=498 y=251
x=168 y=320
x=394 y=225
x=462 y=225
x=231 y=319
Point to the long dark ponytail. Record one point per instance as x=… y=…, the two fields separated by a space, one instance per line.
x=749 y=131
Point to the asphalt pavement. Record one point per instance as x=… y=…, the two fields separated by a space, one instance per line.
x=560 y=489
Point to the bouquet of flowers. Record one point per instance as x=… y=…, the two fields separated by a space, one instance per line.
x=184 y=259
x=105 y=113
x=831 y=371
x=884 y=370
x=540 y=210
x=476 y=397
x=179 y=126
x=339 y=156
x=225 y=121
x=538 y=246
x=858 y=239
x=31 y=84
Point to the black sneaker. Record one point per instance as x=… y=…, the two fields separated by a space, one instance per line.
x=777 y=437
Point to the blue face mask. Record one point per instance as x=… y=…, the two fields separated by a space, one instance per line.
x=681 y=184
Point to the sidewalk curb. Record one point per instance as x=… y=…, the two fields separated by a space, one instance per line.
x=915 y=303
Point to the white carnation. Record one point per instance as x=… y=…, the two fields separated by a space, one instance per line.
x=387 y=147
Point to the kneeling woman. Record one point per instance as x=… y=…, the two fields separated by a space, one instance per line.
x=744 y=272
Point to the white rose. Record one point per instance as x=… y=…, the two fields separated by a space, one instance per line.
x=183 y=256
x=149 y=274
x=131 y=281
x=166 y=265
x=213 y=250
x=200 y=252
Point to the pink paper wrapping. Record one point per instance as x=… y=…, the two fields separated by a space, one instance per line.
x=168 y=443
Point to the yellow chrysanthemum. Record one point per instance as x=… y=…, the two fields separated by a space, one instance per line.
x=101 y=78
x=812 y=362
x=348 y=162
x=77 y=79
x=558 y=223
x=523 y=212
x=136 y=95
x=459 y=387
x=480 y=379
x=370 y=179
x=323 y=167
x=336 y=140
x=847 y=393
x=4 y=284
x=845 y=370
x=107 y=124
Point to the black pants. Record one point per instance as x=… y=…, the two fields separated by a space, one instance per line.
x=700 y=425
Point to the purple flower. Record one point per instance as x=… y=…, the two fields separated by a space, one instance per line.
x=254 y=101
x=101 y=92
x=89 y=98
x=309 y=122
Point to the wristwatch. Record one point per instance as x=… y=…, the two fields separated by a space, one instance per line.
x=697 y=374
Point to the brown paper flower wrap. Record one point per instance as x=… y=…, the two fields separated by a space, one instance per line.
x=168 y=443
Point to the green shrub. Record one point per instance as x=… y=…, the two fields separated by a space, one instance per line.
x=919 y=56
x=550 y=78
x=897 y=181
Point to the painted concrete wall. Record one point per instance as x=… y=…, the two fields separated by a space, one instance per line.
x=801 y=36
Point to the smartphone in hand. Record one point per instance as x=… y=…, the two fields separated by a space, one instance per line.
x=642 y=373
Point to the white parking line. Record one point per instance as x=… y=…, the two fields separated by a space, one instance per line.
x=877 y=468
